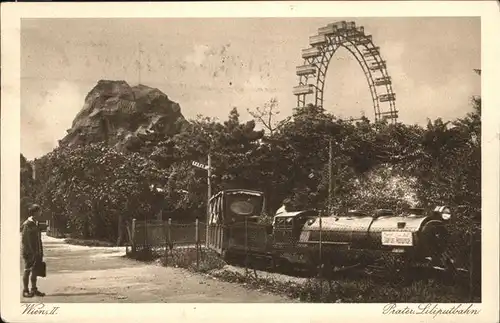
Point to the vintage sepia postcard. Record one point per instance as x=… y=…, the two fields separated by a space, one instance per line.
x=282 y=161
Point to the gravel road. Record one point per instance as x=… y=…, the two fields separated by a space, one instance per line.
x=79 y=274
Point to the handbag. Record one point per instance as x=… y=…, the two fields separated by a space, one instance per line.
x=40 y=269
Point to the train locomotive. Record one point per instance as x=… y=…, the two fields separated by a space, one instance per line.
x=379 y=242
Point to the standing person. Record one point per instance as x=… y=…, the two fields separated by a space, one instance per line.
x=32 y=251
x=285 y=207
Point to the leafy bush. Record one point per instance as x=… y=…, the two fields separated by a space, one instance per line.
x=93 y=190
x=368 y=291
x=199 y=260
x=144 y=254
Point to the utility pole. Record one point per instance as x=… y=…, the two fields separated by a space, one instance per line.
x=33 y=166
x=330 y=174
x=329 y=208
x=139 y=64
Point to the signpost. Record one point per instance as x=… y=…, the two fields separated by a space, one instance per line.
x=208 y=168
x=209 y=194
x=200 y=165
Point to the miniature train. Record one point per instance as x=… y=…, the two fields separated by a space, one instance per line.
x=374 y=242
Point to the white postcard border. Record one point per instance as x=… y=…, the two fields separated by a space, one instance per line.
x=10 y=129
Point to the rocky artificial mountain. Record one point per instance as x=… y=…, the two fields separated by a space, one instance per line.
x=123 y=116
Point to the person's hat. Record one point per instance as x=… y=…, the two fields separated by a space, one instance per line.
x=34 y=208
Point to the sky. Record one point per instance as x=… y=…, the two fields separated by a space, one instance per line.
x=211 y=65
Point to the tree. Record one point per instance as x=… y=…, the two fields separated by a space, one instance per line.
x=26 y=186
x=94 y=190
x=266 y=116
x=232 y=146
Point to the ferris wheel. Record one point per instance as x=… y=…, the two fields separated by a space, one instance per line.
x=312 y=73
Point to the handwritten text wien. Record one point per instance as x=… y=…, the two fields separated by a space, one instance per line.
x=39 y=309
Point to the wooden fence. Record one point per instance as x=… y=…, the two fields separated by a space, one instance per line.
x=158 y=234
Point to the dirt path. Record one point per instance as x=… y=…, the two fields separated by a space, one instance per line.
x=96 y=274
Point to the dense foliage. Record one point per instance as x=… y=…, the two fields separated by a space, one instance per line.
x=92 y=189
x=26 y=187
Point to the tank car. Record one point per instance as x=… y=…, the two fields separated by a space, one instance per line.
x=371 y=242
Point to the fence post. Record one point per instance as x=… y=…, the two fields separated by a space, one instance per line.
x=196 y=237
x=320 y=255
x=165 y=228
x=197 y=245
x=471 y=266
x=134 y=248
x=246 y=245
x=146 y=238
x=169 y=232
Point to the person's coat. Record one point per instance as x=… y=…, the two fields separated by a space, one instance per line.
x=31 y=239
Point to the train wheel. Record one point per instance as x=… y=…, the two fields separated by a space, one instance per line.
x=396 y=270
x=229 y=257
x=325 y=269
x=274 y=263
x=400 y=274
x=285 y=266
x=450 y=274
x=224 y=256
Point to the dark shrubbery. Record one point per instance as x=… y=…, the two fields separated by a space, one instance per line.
x=200 y=260
x=92 y=191
x=368 y=291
